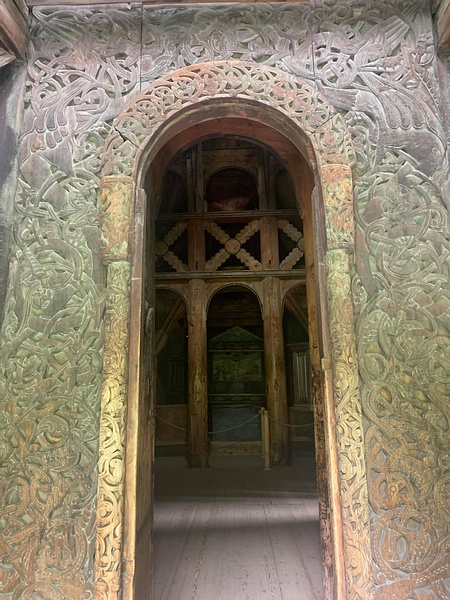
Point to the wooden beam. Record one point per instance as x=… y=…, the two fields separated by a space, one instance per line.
x=13 y=30
x=197 y=377
x=442 y=25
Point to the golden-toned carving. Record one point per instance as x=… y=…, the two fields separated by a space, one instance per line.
x=112 y=434
x=300 y=103
x=116 y=197
x=233 y=245
x=353 y=480
x=338 y=199
x=162 y=247
x=296 y=236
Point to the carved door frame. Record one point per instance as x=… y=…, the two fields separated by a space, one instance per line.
x=293 y=108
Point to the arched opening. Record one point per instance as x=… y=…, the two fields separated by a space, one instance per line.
x=231 y=189
x=230 y=240
x=266 y=106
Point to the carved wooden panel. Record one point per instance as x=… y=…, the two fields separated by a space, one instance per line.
x=110 y=492
x=375 y=63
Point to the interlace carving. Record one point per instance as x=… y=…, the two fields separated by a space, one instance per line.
x=375 y=63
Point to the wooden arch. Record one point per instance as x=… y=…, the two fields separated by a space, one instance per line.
x=295 y=109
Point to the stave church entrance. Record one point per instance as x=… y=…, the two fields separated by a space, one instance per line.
x=210 y=245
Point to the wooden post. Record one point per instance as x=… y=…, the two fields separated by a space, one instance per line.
x=265 y=430
x=197 y=368
x=275 y=371
x=196 y=245
x=269 y=243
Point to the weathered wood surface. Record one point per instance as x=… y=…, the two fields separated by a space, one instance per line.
x=275 y=370
x=171 y=424
x=197 y=375
x=146 y=2
x=442 y=24
x=385 y=87
x=13 y=30
x=237 y=532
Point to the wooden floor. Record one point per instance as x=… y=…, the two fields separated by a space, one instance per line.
x=236 y=532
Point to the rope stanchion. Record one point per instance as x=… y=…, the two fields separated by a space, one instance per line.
x=240 y=424
x=265 y=438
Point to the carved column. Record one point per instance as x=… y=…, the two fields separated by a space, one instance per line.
x=338 y=201
x=197 y=375
x=324 y=410
x=115 y=199
x=275 y=371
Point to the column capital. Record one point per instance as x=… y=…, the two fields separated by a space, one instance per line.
x=337 y=190
x=116 y=200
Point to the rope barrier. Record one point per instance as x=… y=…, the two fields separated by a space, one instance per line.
x=210 y=432
x=171 y=424
x=265 y=432
x=288 y=424
x=237 y=426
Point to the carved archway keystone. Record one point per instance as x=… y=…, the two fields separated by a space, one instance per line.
x=128 y=150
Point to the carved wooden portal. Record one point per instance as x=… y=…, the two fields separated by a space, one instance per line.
x=295 y=113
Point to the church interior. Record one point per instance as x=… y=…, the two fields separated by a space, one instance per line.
x=224 y=300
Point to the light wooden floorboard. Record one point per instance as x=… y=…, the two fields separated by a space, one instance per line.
x=236 y=532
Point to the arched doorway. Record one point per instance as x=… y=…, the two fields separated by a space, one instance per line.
x=231 y=248
x=289 y=115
